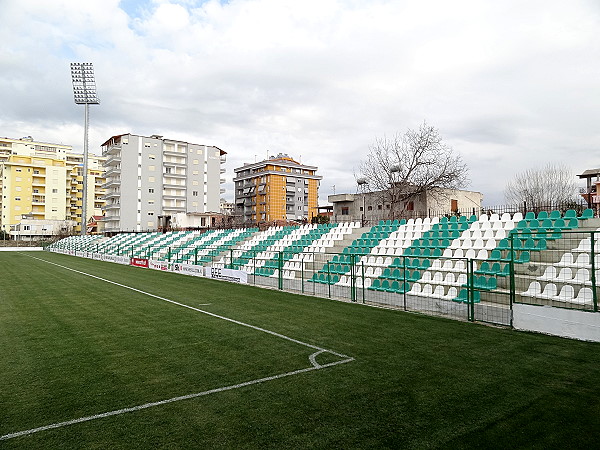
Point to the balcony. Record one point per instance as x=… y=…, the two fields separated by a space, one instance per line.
x=112 y=218
x=112 y=159
x=171 y=150
x=174 y=175
x=112 y=206
x=38 y=199
x=37 y=181
x=111 y=195
x=173 y=184
x=112 y=182
x=114 y=149
x=223 y=171
x=113 y=171
x=173 y=196
x=180 y=163
x=223 y=159
x=174 y=208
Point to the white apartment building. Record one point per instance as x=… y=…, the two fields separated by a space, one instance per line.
x=151 y=179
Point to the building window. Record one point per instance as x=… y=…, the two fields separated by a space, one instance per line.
x=361 y=208
x=195 y=193
x=369 y=208
x=150 y=191
x=379 y=207
x=345 y=211
x=167 y=169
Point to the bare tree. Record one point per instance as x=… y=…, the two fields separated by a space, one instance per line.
x=550 y=185
x=405 y=167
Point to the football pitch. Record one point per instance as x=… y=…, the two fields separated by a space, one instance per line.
x=100 y=355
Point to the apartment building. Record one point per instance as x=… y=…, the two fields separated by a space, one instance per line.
x=277 y=188
x=44 y=181
x=150 y=179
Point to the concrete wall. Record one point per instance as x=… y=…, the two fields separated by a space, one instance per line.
x=557 y=321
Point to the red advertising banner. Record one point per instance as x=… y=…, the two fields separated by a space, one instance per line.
x=138 y=262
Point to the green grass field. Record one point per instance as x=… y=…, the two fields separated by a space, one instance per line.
x=74 y=347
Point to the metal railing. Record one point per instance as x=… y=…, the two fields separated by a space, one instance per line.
x=537 y=267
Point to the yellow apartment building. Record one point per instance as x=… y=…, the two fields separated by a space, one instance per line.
x=278 y=188
x=43 y=181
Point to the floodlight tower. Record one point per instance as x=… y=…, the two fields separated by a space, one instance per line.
x=84 y=92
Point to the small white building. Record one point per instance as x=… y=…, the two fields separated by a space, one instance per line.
x=38 y=229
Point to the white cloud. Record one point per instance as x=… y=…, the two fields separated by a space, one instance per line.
x=507 y=83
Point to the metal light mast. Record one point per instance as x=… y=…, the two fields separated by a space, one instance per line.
x=84 y=93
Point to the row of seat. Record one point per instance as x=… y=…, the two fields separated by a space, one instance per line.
x=584 y=295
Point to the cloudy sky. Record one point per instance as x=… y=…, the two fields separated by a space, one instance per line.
x=509 y=84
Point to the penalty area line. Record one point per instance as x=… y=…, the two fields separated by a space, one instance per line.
x=117 y=412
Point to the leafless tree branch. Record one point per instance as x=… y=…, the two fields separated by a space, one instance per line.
x=550 y=185
x=403 y=167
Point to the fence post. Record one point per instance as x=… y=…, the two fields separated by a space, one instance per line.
x=511 y=271
x=313 y=271
x=280 y=270
x=471 y=291
x=328 y=280
x=231 y=258
x=363 y=282
x=254 y=264
x=404 y=279
x=593 y=258
x=302 y=272
x=352 y=278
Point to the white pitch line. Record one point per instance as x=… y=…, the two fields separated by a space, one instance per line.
x=198 y=310
x=170 y=400
x=312 y=358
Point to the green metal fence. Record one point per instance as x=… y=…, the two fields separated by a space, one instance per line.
x=532 y=266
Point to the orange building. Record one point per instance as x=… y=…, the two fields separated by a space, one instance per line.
x=278 y=188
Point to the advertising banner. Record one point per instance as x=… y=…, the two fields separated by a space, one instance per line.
x=138 y=262
x=188 y=269
x=158 y=265
x=217 y=273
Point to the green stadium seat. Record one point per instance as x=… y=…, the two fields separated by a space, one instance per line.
x=587 y=214
x=484 y=268
x=572 y=223
x=375 y=285
x=555 y=214
x=414 y=276
x=394 y=287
